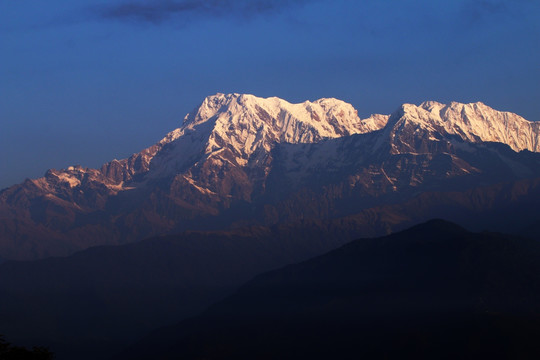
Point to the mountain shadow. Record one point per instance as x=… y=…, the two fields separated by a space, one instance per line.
x=434 y=291
x=100 y=300
x=106 y=297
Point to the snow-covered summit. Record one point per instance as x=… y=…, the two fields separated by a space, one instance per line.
x=242 y=128
x=474 y=122
x=239 y=131
x=248 y=122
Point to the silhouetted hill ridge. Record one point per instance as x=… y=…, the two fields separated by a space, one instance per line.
x=433 y=291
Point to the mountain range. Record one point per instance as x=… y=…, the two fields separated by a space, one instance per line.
x=434 y=284
x=248 y=185
x=239 y=161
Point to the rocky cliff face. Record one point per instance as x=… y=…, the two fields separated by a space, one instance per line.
x=240 y=159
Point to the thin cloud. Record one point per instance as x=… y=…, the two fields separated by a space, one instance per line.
x=480 y=9
x=159 y=11
x=477 y=11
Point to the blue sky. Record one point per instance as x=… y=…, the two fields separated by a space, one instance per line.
x=83 y=82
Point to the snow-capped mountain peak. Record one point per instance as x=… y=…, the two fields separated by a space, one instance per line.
x=294 y=123
x=245 y=124
x=474 y=122
x=242 y=129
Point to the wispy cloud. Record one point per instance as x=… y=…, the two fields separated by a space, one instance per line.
x=158 y=11
x=477 y=11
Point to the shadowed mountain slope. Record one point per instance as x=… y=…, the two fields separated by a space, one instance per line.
x=432 y=291
x=94 y=302
x=105 y=297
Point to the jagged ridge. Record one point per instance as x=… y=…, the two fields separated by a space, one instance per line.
x=240 y=148
x=243 y=129
x=475 y=123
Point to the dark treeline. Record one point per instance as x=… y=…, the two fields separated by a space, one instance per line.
x=9 y=351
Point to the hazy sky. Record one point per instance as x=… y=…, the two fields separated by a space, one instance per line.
x=83 y=82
